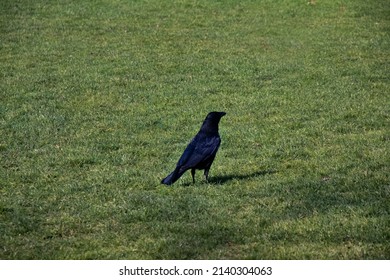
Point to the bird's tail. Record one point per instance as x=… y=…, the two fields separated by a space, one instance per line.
x=173 y=177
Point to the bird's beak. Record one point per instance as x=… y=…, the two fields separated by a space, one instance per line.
x=223 y=114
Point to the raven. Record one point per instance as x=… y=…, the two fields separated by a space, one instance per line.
x=201 y=151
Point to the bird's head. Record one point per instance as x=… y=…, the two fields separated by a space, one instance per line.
x=210 y=124
x=215 y=115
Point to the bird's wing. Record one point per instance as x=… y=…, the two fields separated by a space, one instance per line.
x=200 y=149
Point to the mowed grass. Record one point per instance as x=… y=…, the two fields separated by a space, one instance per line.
x=99 y=98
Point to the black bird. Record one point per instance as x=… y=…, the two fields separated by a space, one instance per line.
x=201 y=151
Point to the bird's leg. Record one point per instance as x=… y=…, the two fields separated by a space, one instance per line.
x=206 y=174
x=193 y=175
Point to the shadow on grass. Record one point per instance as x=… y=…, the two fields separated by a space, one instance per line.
x=227 y=178
x=218 y=180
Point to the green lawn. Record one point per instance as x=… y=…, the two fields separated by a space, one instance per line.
x=100 y=97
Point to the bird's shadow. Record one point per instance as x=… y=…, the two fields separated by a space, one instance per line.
x=226 y=178
x=219 y=180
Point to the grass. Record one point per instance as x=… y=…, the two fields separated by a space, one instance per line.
x=99 y=98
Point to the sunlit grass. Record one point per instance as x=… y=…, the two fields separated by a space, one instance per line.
x=100 y=98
